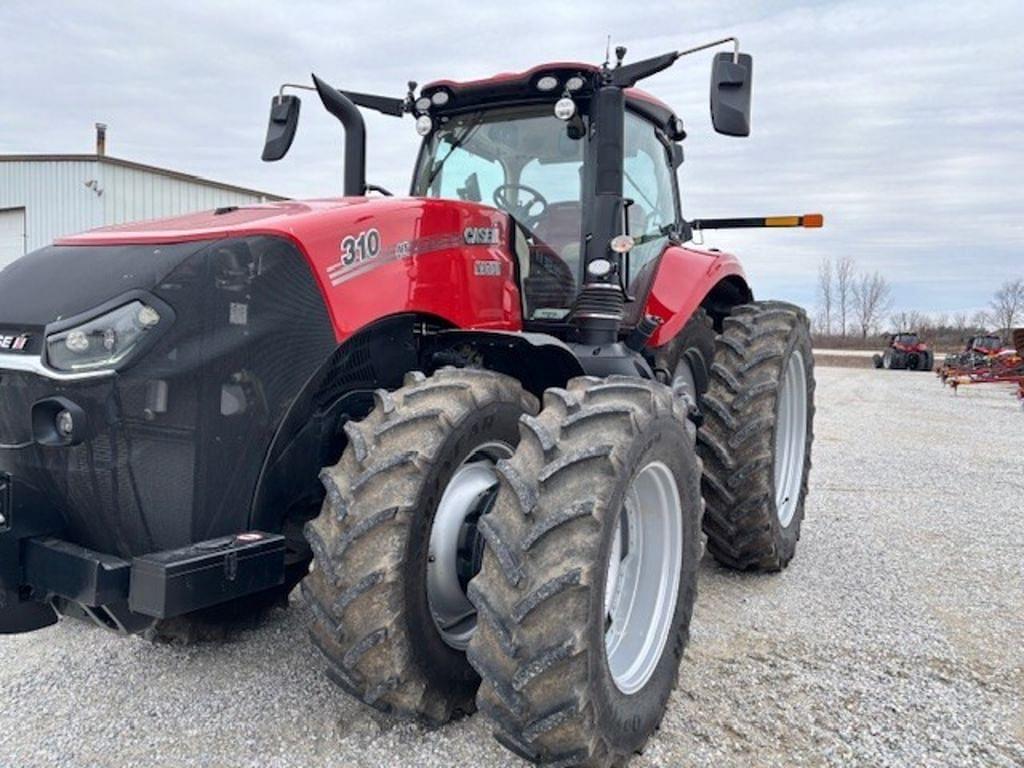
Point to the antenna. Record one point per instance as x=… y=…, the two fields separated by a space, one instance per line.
x=608 y=52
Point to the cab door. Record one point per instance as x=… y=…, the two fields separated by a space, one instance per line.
x=650 y=189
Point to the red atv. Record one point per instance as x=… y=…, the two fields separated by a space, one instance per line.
x=490 y=414
x=906 y=351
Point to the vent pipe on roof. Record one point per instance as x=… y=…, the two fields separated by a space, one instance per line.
x=101 y=139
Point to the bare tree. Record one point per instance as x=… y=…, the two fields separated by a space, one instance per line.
x=871 y=297
x=981 y=320
x=825 y=294
x=960 y=322
x=906 y=320
x=844 y=290
x=1008 y=304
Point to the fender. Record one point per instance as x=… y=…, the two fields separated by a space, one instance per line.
x=688 y=278
x=537 y=360
x=379 y=355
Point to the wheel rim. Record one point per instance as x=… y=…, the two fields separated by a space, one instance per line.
x=685 y=381
x=642 y=583
x=455 y=544
x=790 y=439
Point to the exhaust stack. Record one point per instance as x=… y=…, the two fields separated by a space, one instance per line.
x=101 y=139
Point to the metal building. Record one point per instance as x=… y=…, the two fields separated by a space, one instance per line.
x=43 y=197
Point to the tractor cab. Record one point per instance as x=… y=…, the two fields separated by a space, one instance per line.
x=906 y=340
x=521 y=143
x=989 y=344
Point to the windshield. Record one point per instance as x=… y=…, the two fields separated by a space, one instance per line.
x=906 y=338
x=526 y=162
x=530 y=164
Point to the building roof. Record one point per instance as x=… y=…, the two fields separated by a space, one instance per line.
x=108 y=160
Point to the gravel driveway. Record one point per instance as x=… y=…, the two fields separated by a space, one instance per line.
x=896 y=637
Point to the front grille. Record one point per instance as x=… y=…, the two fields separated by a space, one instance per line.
x=177 y=441
x=5 y=501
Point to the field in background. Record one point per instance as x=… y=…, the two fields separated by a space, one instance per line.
x=845 y=358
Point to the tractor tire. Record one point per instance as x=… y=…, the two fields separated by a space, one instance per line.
x=373 y=550
x=757 y=435
x=887 y=359
x=927 y=362
x=686 y=360
x=877 y=360
x=557 y=578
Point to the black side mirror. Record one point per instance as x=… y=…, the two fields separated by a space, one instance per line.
x=730 y=93
x=284 y=120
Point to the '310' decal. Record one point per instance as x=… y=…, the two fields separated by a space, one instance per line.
x=359 y=248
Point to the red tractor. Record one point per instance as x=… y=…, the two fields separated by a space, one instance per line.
x=483 y=424
x=906 y=351
x=978 y=351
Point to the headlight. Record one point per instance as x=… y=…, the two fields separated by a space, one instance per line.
x=103 y=342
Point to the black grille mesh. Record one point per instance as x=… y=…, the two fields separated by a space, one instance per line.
x=250 y=330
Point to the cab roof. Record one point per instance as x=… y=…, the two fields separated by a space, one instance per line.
x=510 y=87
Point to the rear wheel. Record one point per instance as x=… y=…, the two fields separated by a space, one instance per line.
x=757 y=435
x=589 y=577
x=397 y=542
x=687 y=358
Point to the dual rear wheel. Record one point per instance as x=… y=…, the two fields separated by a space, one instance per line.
x=543 y=566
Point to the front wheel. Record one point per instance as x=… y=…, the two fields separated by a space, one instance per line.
x=757 y=435
x=588 y=581
x=397 y=541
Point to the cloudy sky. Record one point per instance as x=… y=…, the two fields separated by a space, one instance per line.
x=902 y=122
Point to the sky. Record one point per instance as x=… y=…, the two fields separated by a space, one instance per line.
x=903 y=123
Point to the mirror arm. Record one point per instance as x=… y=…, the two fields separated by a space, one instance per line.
x=735 y=48
x=627 y=76
x=280 y=91
x=386 y=105
x=383 y=104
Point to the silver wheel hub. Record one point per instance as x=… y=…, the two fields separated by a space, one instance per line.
x=790 y=438
x=455 y=546
x=642 y=582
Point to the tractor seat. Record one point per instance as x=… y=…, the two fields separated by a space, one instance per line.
x=559 y=227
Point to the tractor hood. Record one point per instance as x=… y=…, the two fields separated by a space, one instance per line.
x=343 y=241
x=304 y=222
x=63 y=281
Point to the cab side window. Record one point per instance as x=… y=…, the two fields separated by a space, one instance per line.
x=649 y=184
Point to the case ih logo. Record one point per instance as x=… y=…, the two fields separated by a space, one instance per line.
x=482 y=235
x=14 y=343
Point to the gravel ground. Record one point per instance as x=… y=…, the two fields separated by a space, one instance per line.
x=894 y=638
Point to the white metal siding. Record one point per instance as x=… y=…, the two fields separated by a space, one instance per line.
x=60 y=196
x=130 y=194
x=12 y=235
x=54 y=197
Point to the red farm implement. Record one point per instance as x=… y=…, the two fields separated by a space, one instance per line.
x=988 y=364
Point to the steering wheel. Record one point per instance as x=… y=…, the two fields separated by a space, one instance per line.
x=503 y=198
